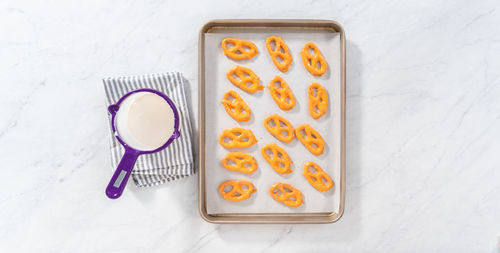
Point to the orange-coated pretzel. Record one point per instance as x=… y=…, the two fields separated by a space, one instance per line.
x=241 y=49
x=239 y=161
x=318 y=179
x=240 y=190
x=311 y=61
x=311 y=139
x=318 y=100
x=278 y=159
x=235 y=106
x=237 y=138
x=245 y=79
x=282 y=58
x=286 y=194
x=279 y=127
x=281 y=93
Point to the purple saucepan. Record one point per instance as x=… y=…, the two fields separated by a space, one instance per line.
x=124 y=169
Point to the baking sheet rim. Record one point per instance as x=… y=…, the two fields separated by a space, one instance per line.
x=308 y=218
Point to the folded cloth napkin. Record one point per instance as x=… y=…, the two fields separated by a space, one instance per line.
x=175 y=161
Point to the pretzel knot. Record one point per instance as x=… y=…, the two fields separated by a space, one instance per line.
x=279 y=127
x=245 y=79
x=240 y=49
x=277 y=158
x=237 y=137
x=238 y=161
x=318 y=100
x=311 y=139
x=286 y=194
x=315 y=63
x=281 y=93
x=235 y=106
x=236 y=190
x=280 y=54
x=318 y=179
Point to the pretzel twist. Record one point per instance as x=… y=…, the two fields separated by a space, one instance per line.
x=245 y=79
x=237 y=193
x=319 y=179
x=241 y=50
x=286 y=194
x=278 y=159
x=311 y=61
x=281 y=93
x=279 y=52
x=318 y=100
x=239 y=138
x=236 y=107
x=279 y=127
x=312 y=140
x=239 y=161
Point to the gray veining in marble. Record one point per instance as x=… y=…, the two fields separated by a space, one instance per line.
x=423 y=109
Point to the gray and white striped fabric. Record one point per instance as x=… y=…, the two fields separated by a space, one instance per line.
x=175 y=161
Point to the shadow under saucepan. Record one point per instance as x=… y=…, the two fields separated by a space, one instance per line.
x=180 y=187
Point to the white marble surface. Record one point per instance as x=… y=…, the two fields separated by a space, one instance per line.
x=423 y=127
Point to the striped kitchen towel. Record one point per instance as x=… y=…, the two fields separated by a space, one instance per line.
x=175 y=161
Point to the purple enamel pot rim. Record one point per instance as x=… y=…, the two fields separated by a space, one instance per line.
x=113 y=109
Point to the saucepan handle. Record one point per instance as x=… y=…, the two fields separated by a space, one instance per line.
x=122 y=174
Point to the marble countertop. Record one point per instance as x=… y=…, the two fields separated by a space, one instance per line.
x=423 y=129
